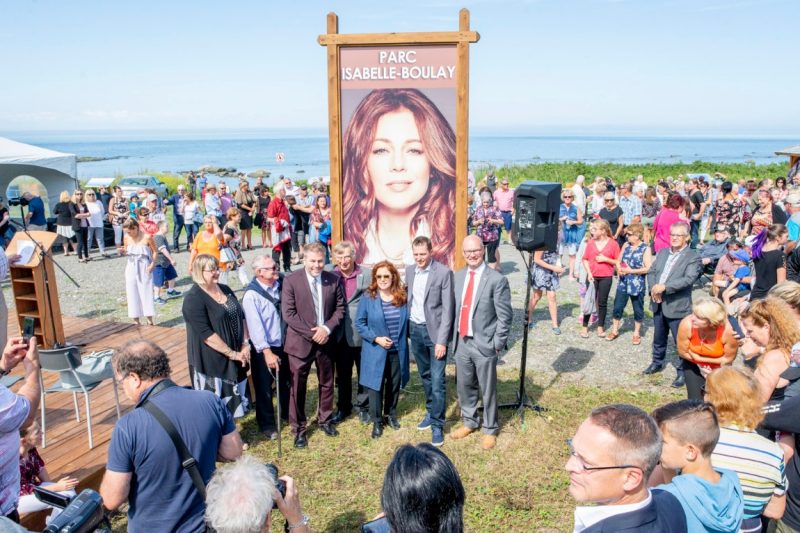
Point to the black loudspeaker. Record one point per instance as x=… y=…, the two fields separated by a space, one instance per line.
x=536 y=207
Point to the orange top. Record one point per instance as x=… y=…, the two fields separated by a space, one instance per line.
x=210 y=246
x=715 y=349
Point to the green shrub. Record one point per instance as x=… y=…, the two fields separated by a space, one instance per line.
x=652 y=172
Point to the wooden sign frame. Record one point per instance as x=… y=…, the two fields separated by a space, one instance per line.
x=334 y=41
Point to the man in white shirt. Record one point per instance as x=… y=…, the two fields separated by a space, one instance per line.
x=431 y=303
x=612 y=455
x=580 y=194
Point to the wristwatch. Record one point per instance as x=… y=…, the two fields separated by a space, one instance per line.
x=4 y=372
x=303 y=522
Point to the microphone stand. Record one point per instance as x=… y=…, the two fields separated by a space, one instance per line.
x=43 y=256
x=523 y=402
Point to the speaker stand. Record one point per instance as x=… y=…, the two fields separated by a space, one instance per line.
x=523 y=402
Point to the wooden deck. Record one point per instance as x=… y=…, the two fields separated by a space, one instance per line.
x=67 y=451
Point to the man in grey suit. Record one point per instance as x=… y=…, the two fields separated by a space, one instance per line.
x=431 y=302
x=355 y=280
x=670 y=280
x=483 y=305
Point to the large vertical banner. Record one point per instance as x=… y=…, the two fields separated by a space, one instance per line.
x=398 y=108
x=398 y=124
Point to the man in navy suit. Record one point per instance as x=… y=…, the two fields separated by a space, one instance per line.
x=611 y=458
x=312 y=304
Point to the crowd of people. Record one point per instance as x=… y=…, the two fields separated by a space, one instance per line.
x=724 y=459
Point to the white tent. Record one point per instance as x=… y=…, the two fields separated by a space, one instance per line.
x=57 y=171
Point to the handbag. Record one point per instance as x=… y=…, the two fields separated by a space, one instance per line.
x=259 y=218
x=94 y=368
x=227 y=255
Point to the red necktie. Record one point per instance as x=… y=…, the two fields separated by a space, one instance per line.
x=463 y=324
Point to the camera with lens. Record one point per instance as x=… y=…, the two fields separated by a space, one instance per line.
x=17 y=200
x=279 y=483
x=81 y=514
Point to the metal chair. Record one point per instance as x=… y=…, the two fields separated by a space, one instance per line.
x=74 y=377
x=9 y=380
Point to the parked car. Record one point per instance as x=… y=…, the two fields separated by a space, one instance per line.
x=133 y=184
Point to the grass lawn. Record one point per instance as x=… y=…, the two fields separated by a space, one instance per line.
x=521 y=485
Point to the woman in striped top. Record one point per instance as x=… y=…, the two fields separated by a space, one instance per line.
x=382 y=321
x=757 y=461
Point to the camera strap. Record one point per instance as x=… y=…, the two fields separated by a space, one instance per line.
x=187 y=461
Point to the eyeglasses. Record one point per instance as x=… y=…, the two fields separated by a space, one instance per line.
x=472 y=252
x=383 y=276
x=568 y=196
x=609 y=199
x=678 y=234
x=273 y=267
x=584 y=468
x=211 y=270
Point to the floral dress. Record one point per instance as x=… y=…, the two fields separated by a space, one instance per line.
x=542 y=278
x=729 y=214
x=487 y=231
x=633 y=284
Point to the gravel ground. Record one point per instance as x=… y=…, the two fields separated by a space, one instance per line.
x=555 y=359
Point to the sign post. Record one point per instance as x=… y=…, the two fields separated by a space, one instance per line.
x=398 y=107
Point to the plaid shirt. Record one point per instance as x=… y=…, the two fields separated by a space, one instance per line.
x=631 y=207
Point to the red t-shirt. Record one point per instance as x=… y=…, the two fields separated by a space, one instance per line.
x=610 y=250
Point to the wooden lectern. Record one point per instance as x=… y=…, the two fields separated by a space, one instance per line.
x=33 y=297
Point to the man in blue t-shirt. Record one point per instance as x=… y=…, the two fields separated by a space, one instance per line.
x=144 y=467
x=35 y=219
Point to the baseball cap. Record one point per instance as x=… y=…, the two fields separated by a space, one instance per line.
x=741 y=255
x=793 y=199
x=152 y=198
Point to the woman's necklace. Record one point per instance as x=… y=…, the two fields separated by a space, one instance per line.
x=217 y=295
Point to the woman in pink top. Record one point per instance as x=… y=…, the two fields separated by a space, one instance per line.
x=599 y=260
x=671 y=213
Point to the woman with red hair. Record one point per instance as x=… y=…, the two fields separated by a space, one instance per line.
x=398 y=177
x=382 y=322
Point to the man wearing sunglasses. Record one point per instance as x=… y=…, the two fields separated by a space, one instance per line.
x=611 y=457
x=262 y=311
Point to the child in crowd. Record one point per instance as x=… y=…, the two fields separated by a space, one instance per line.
x=711 y=497
x=740 y=281
x=164 y=273
x=145 y=224
x=34 y=474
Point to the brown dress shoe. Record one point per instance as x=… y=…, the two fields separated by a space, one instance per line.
x=461 y=432
x=488 y=441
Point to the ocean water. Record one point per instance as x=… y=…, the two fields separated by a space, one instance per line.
x=306 y=151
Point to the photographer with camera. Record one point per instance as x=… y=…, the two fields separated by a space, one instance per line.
x=172 y=429
x=17 y=411
x=242 y=494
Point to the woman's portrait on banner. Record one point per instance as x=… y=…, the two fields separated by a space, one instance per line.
x=398 y=173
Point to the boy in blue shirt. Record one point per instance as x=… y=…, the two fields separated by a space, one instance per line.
x=710 y=497
x=740 y=282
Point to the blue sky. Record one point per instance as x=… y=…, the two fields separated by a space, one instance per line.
x=541 y=66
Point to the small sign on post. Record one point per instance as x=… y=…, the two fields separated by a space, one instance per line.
x=280 y=157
